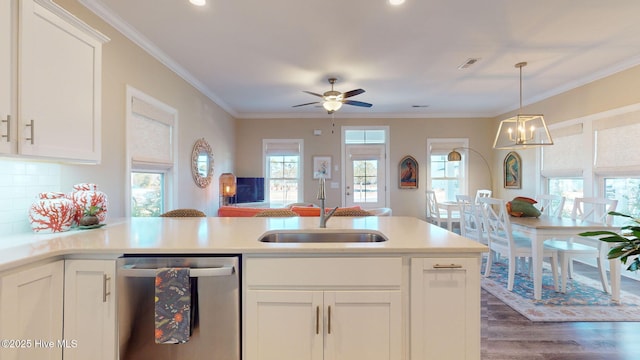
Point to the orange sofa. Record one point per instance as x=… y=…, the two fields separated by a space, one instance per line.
x=236 y=211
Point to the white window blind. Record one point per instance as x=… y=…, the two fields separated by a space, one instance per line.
x=151 y=134
x=282 y=147
x=444 y=148
x=616 y=143
x=567 y=154
x=365 y=152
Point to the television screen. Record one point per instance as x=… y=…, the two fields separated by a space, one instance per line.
x=249 y=189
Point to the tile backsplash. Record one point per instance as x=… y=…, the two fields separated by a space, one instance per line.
x=20 y=182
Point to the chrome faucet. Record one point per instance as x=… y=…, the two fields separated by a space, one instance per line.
x=321 y=196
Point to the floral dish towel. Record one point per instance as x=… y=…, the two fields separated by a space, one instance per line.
x=172 y=306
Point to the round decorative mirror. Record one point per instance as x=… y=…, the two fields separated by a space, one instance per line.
x=202 y=163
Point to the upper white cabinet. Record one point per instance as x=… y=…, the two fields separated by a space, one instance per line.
x=90 y=309
x=31 y=312
x=7 y=53
x=58 y=64
x=323 y=309
x=445 y=308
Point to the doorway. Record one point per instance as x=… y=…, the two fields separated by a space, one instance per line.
x=365 y=167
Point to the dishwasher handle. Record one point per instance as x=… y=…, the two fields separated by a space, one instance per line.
x=131 y=271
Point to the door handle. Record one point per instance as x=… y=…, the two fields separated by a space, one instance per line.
x=8 y=121
x=329 y=320
x=317 y=320
x=447 y=266
x=131 y=271
x=32 y=125
x=106 y=280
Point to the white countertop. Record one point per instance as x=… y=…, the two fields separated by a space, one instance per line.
x=220 y=235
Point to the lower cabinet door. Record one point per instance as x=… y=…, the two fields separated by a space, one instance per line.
x=363 y=325
x=329 y=325
x=31 y=313
x=283 y=325
x=89 y=310
x=445 y=308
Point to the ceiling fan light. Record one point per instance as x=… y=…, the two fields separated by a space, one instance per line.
x=332 y=105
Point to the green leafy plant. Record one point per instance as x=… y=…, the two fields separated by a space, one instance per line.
x=627 y=241
x=92 y=210
x=90 y=216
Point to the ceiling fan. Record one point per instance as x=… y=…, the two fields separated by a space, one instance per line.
x=332 y=100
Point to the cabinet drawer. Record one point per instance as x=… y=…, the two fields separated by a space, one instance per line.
x=316 y=272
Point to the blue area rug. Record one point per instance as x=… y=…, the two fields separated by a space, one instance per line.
x=583 y=301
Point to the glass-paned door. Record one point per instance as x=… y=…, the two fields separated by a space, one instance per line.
x=365 y=179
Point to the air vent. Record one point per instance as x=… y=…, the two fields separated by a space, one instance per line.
x=468 y=63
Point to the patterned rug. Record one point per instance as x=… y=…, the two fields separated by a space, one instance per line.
x=584 y=300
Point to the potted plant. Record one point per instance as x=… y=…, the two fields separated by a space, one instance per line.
x=627 y=241
x=90 y=216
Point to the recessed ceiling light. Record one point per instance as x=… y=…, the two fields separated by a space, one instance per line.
x=198 y=2
x=396 y=2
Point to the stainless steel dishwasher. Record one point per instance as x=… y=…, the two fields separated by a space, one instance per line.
x=217 y=333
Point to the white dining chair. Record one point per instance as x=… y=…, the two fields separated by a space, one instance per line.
x=591 y=209
x=550 y=205
x=483 y=193
x=501 y=240
x=470 y=219
x=437 y=214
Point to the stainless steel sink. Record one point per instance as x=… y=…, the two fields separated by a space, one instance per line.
x=323 y=237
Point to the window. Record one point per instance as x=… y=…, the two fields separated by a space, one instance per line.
x=365 y=181
x=151 y=145
x=283 y=171
x=445 y=177
x=147 y=194
x=568 y=187
x=600 y=144
x=627 y=191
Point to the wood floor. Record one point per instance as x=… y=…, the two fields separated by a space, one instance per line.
x=508 y=335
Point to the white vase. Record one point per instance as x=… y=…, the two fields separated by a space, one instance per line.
x=86 y=195
x=51 y=212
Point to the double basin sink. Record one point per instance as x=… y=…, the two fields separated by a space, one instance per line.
x=345 y=236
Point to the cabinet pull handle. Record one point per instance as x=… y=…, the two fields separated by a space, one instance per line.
x=8 y=121
x=32 y=125
x=447 y=266
x=105 y=287
x=317 y=320
x=329 y=320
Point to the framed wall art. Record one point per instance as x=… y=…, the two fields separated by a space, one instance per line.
x=322 y=167
x=408 y=173
x=512 y=171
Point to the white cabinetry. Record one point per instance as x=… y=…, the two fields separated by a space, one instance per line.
x=7 y=53
x=323 y=308
x=31 y=312
x=58 y=62
x=445 y=308
x=89 y=309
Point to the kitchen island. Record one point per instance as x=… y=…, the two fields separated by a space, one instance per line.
x=423 y=280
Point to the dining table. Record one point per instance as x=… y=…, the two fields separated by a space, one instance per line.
x=451 y=207
x=546 y=227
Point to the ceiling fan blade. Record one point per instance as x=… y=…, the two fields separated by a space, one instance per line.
x=312 y=93
x=357 y=103
x=352 y=93
x=311 y=103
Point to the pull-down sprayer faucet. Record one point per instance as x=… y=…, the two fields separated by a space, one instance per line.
x=321 y=196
